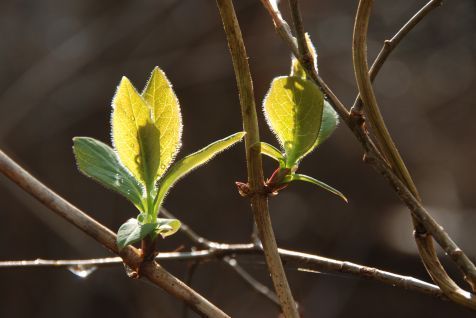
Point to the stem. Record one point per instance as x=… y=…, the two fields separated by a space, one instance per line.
x=390 y=45
x=355 y=123
x=302 y=261
x=423 y=221
x=130 y=255
x=251 y=281
x=372 y=111
x=259 y=200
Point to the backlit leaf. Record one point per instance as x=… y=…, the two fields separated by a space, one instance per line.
x=293 y=109
x=302 y=177
x=135 y=136
x=165 y=113
x=99 y=162
x=167 y=227
x=272 y=152
x=329 y=123
x=190 y=162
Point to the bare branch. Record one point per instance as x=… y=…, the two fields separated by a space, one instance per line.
x=220 y=251
x=409 y=194
x=259 y=199
x=302 y=261
x=250 y=280
x=374 y=157
x=390 y=45
x=131 y=256
x=372 y=111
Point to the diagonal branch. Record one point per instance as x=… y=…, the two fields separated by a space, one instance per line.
x=250 y=280
x=259 y=198
x=390 y=45
x=355 y=124
x=219 y=251
x=302 y=261
x=130 y=256
x=422 y=219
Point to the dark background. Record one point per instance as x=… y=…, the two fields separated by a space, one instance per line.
x=60 y=62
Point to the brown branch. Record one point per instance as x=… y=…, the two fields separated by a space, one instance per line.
x=390 y=45
x=354 y=122
x=259 y=199
x=424 y=241
x=130 y=256
x=250 y=280
x=411 y=197
x=302 y=261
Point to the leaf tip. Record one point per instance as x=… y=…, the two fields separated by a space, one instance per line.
x=241 y=134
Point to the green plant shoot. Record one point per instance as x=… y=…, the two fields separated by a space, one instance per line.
x=301 y=119
x=146 y=134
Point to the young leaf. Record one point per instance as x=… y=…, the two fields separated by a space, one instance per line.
x=133 y=231
x=135 y=137
x=165 y=113
x=167 y=227
x=190 y=162
x=272 y=152
x=296 y=67
x=301 y=177
x=99 y=162
x=329 y=123
x=330 y=119
x=293 y=109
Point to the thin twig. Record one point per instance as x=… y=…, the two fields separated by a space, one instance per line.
x=380 y=164
x=184 y=228
x=409 y=194
x=131 y=256
x=218 y=251
x=259 y=199
x=282 y=28
x=250 y=280
x=390 y=45
x=303 y=261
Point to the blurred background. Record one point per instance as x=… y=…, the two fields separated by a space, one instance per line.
x=60 y=62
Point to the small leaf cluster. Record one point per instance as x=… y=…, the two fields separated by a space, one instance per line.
x=146 y=134
x=301 y=119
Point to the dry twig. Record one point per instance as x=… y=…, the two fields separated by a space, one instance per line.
x=130 y=256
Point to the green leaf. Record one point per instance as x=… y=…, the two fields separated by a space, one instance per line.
x=135 y=136
x=296 y=67
x=167 y=227
x=329 y=123
x=301 y=177
x=293 y=109
x=190 y=162
x=330 y=119
x=165 y=114
x=133 y=231
x=272 y=152
x=99 y=162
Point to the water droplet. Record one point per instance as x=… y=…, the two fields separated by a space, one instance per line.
x=133 y=118
x=82 y=271
x=130 y=272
